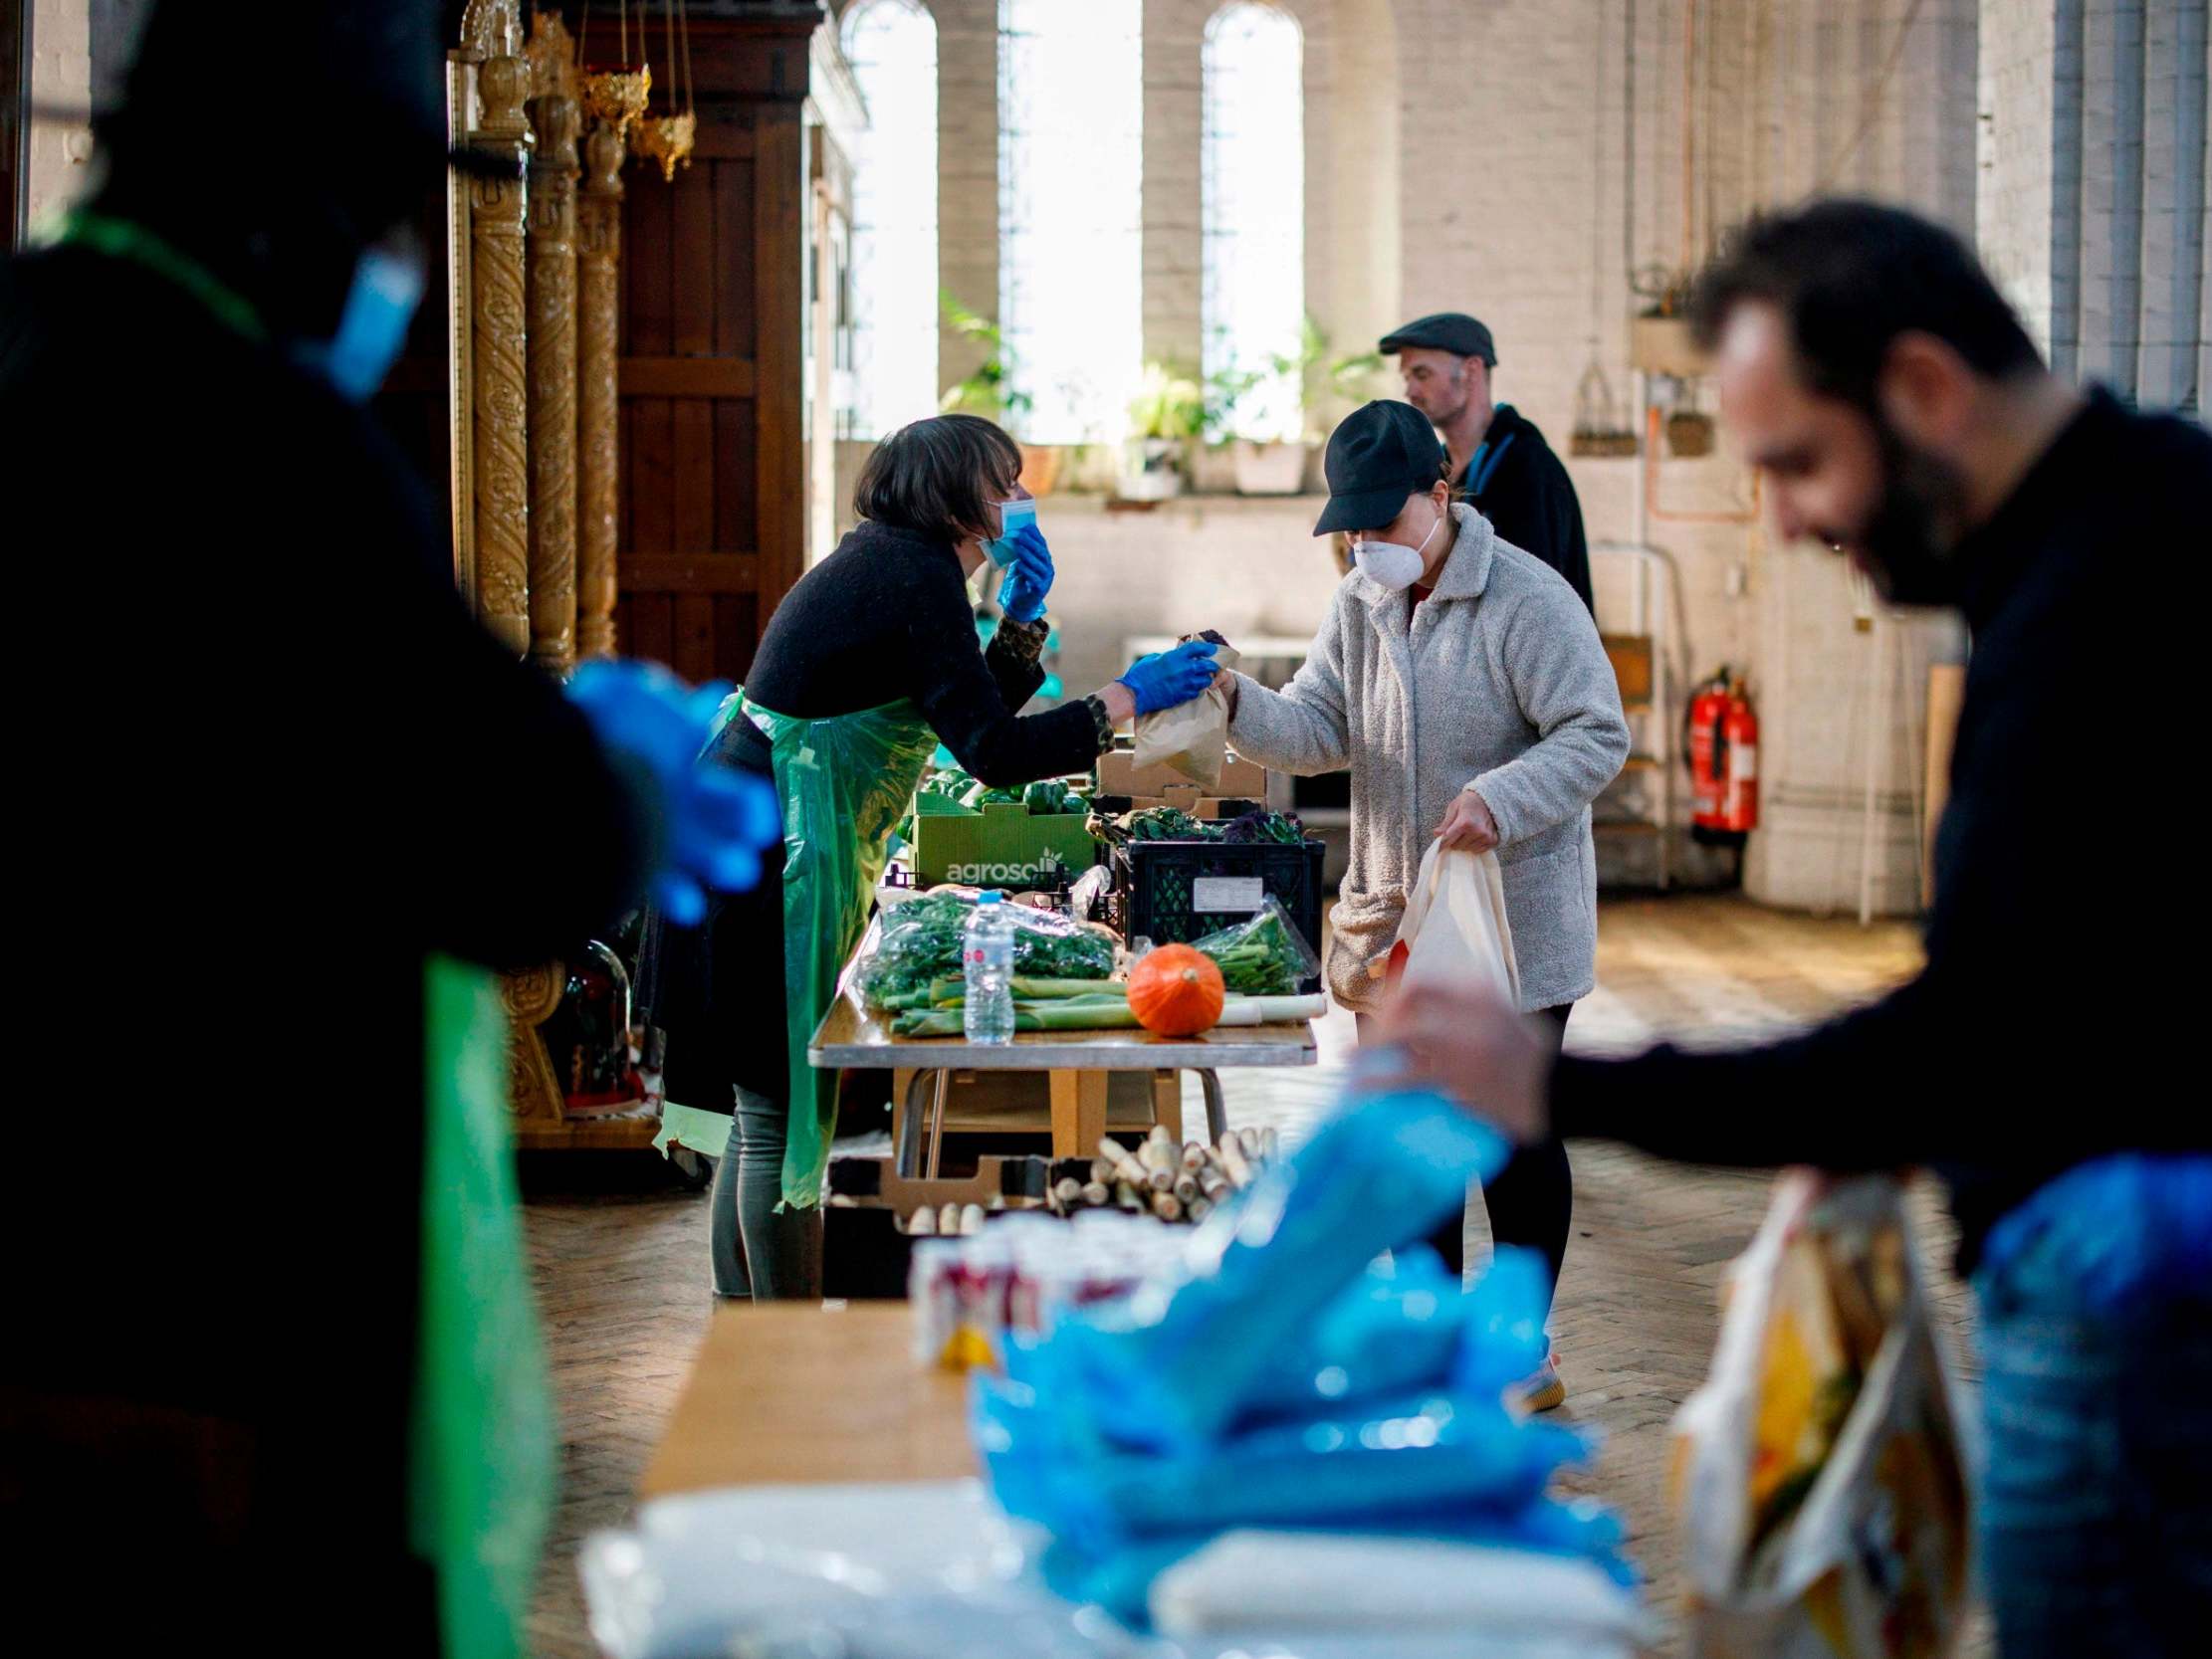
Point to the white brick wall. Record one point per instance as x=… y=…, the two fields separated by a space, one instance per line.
x=1175 y=32
x=1355 y=255
x=61 y=78
x=1483 y=156
x=967 y=168
x=1512 y=200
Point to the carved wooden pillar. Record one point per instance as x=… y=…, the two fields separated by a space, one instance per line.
x=492 y=38
x=530 y=998
x=556 y=119
x=598 y=248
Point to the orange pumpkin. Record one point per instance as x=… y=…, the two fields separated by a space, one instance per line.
x=1175 y=991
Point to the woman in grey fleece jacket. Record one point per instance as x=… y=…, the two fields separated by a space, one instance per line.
x=1496 y=686
x=1485 y=711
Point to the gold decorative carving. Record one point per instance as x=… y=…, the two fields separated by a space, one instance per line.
x=616 y=97
x=498 y=332
x=528 y=1000
x=598 y=251
x=668 y=140
x=552 y=350
x=490 y=29
x=552 y=55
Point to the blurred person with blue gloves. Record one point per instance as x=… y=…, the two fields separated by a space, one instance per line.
x=869 y=663
x=274 y=1379
x=1899 y=411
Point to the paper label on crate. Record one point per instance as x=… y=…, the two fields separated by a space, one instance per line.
x=1226 y=894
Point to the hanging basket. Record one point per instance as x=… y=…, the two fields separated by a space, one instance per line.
x=1600 y=445
x=1599 y=429
x=1689 y=434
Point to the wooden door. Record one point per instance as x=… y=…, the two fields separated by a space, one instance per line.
x=714 y=489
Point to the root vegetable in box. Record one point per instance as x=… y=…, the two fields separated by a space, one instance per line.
x=1193 y=736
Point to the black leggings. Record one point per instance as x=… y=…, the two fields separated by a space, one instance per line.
x=1532 y=1200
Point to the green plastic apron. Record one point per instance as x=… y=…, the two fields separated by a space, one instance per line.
x=481 y=1446
x=844 y=784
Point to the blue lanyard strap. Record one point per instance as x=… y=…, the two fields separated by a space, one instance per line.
x=1485 y=462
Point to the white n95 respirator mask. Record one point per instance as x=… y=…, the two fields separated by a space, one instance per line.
x=1392 y=566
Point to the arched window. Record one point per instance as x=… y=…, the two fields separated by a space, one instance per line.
x=1070 y=228
x=1254 y=179
x=892 y=47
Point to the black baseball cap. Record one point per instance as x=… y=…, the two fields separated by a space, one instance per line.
x=1452 y=331
x=1381 y=452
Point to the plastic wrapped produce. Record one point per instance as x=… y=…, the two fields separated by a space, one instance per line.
x=919 y=943
x=1265 y=956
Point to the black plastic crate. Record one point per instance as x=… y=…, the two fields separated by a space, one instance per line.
x=1162 y=884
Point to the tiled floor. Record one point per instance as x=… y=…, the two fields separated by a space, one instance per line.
x=621 y=1258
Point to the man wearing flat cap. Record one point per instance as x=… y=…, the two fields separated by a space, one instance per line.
x=1500 y=464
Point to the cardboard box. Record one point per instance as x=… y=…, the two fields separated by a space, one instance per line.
x=1119 y=774
x=1183 y=797
x=1002 y=845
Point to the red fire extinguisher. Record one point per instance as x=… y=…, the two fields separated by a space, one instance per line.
x=1723 y=761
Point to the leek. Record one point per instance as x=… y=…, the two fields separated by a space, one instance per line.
x=1100 y=1013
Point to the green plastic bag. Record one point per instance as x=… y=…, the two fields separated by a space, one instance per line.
x=844 y=784
x=482 y=1445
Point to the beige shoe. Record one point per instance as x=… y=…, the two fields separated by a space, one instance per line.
x=1544 y=1391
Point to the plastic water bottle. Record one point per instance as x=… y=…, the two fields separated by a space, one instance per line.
x=987 y=962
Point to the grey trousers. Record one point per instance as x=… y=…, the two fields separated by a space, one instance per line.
x=756 y=1251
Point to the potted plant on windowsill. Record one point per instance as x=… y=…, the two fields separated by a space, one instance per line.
x=1167 y=411
x=988 y=390
x=1327 y=389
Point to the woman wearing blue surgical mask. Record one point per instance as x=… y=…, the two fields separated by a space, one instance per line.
x=1464 y=683
x=869 y=663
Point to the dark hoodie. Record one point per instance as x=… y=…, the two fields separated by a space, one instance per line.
x=1528 y=498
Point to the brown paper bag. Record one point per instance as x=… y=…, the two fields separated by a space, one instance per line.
x=1191 y=737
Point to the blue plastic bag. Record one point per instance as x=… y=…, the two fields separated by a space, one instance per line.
x=1501 y=1324
x=1175 y=1364
x=1289 y=1380
x=1424 y=1451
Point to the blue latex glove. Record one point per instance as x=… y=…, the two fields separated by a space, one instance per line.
x=715 y=820
x=1028 y=576
x=1171 y=677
